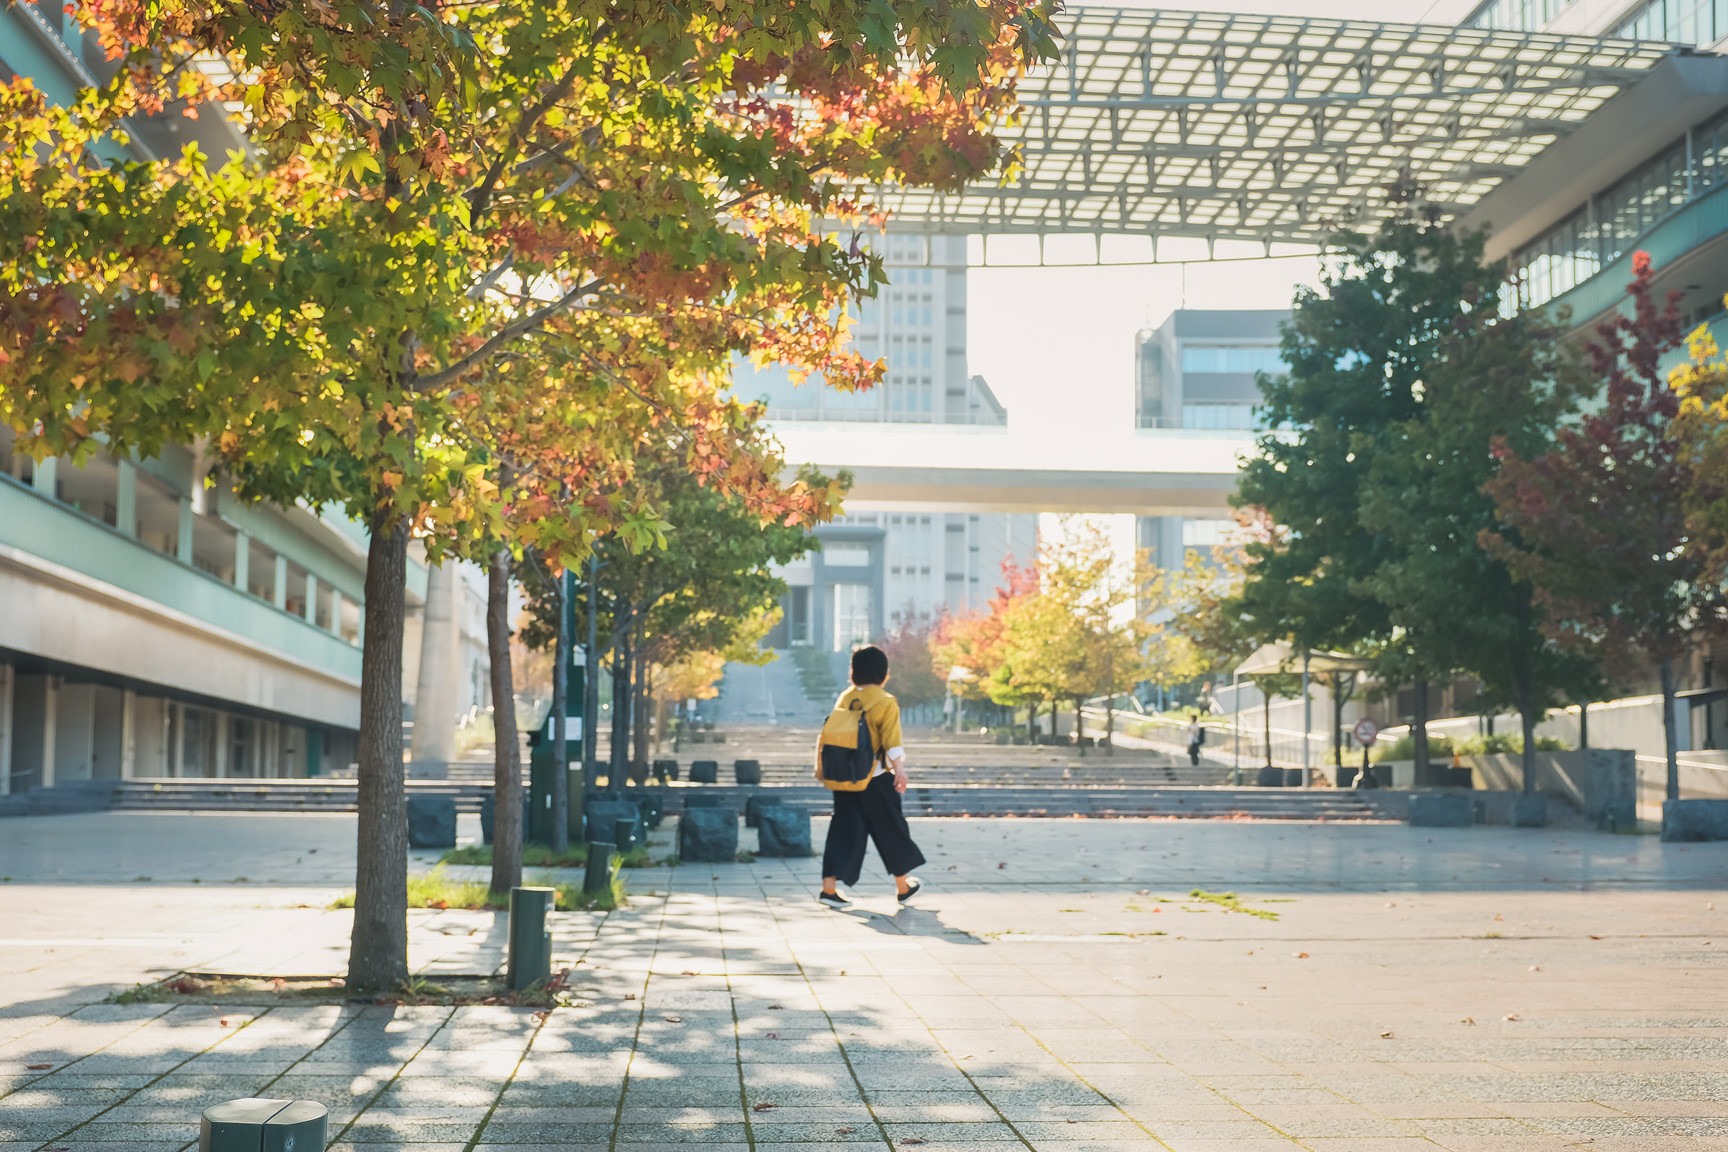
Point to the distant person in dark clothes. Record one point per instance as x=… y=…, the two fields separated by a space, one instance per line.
x=1196 y=737
x=868 y=809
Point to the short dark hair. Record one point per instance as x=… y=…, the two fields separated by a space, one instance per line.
x=869 y=666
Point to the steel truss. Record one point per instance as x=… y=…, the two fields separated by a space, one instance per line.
x=1273 y=129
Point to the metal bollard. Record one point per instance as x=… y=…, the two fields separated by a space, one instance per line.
x=260 y=1125
x=599 y=873
x=623 y=836
x=529 y=960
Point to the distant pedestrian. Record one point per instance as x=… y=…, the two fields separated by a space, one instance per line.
x=860 y=758
x=1196 y=737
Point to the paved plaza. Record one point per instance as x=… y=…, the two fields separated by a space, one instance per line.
x=1056 y=988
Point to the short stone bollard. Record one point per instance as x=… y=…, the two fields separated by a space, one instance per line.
x=784 y=831
x=1441 y=810
x=665 y=770
x=623 y=836
x=747 y=771
x=528 y=960
x=708 y=835
x=431 y=821
x=257 y=1124
x=704 y=771
x=598 y=873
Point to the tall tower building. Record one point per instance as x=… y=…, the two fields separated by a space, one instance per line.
x=880 y=569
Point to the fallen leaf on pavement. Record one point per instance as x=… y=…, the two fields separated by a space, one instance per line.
x=844 y=1131
x=912 y=1140
x=1468 y=1020
x=38 y=1067
x=774 y=1008
x=762 y=1107
x=674 y=1019
x=1385 y=1035
x=1004 y=865
x=1511 y=1016
x=1300 y=955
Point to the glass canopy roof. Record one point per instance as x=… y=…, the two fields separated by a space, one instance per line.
x=1159 y=123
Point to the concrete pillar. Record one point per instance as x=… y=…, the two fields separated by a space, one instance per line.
x=221 y=742
x=434 y=740
x=177 y=737
x=6 y=679
x=74 y=731
x=183 y=544
x=279 y=590
x=46 y=477
x=311 y=599
x=107 y=733
x=242 y=561
x=126 y=499
x=128 y=735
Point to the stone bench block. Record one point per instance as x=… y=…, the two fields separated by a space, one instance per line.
x=602 y=815
x=747 y=771
x=431 y=821
x=708 y=835
x=705 y=772
x=1440 y=810
x=1694 y=820
x=783 y=832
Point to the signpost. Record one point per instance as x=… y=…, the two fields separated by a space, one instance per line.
x=1366 y=732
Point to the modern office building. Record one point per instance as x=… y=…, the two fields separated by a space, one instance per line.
x=1198 y=372
x=879 y=569
x=153 y=625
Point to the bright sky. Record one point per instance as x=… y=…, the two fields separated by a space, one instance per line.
x=1057 y=345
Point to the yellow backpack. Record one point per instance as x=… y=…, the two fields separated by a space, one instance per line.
x=847 y=755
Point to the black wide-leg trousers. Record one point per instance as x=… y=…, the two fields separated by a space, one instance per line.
x=873 y=814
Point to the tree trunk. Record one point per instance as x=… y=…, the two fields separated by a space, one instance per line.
x=1110 y=726
x=643 y=714
x=560 y=715
x=508 y=833
x=1032 y=723
x=1527 y=715
x=378 y=948
x=1338 y=728
x=621 y=710
x=591 y=677
x=1668 y=734
x=1584 y=728
x=623 y=661
x=1079 y=725
x=1419 y=733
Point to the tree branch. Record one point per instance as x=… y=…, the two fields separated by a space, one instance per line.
x=481 y=197
x=508 y=334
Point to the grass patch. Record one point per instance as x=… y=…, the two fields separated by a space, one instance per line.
x=234 y=990
x=436 y=889
x=1228 y=902
x=541 y=856
x=745 y=856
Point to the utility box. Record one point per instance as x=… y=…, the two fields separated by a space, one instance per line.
x=263 y=1125
x=540 y=783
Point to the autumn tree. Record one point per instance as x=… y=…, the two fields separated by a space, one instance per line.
x=975 y=645
x=453 y=216
x=1605 y=523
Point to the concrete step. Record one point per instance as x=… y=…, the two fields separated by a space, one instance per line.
x=921 y=800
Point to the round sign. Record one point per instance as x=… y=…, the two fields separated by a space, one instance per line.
x=1366 y=732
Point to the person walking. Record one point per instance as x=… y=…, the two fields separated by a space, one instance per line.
x=860 y=758
x=1196 y=737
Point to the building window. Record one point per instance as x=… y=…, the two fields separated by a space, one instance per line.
x=1232 y=417
x=1234 y=358
x=1518 y=15
x=1697 y=22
